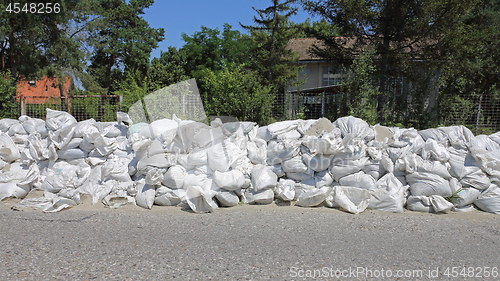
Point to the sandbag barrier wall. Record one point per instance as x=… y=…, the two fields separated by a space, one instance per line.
x=346 y=164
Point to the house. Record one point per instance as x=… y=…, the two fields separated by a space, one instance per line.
x=41 y=91
x=320 y=93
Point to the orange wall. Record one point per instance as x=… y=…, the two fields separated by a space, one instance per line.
x=44 y=89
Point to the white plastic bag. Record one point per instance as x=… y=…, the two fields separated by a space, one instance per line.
x=263 y=178
x=174 y=177
x=262 y=197
x=285 y=190
x=351 y=199
x=200 y=200
x=230 y=181
x=489 y=200
x=314 y=197
x=145 y=196
x=8 y=149
x=428 y=184
x=359 y=179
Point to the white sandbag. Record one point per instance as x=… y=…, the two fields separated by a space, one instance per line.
x=11 y=189
x=262 y=197
x=257 y=151
x=263 y=178
x=194 y=179
x=164 y=161
x=303 y=187
x=154 y=176
x=317 y=162
x=200 y=200
x=8 y=149
x=351 y=199
x=323 y=179
x=290 y=135
x=428 y=184
x=116 y=168
x=458 y=136
x=277 y=170
x=168 y=197
x=314 y=197
x=207 y=136
x=478 y=180
x=69 y=154
x=354 y=127
x=486 y=143
x=439 y=204
x=66 y=175
x=164 y=129
x=277 y=152
x=282 y=127
x=489 y=200
x=318 y=127
x=231 y=180
x=295 y=165
x=343 y=167
x=285 y=190
x=57 y=120
x=415 y=163
x=145 y=196
x=6 y=124
x=388 y=195
x=433 y=150
x=174 y=177
x=264 y=134
x=465 y=197
x=419 y=204
x=114 y=201
x=495 y=137
x=57 y=204
x=489 y=160
x=227 y=198
x=359 y=179
x=300 y=176
x=462 y=163
x=17 y=129
x=374 y=168
x=218 y=157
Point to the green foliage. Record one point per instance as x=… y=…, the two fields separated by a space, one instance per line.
x=362 y=91
x=168 y=69
x=9 y=107
x=121 y=38
x=238 y=93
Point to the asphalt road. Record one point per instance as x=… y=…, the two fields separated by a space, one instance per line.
x=247 y=243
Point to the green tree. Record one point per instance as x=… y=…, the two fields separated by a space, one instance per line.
x=238 y=93
x=8 y=106
x=470 y=72
x=400 y=31
x=122 y=39
x=168 y=69
x=209 y=49
x=270 y=35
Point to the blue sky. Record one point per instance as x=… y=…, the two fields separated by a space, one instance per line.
x=181 y=16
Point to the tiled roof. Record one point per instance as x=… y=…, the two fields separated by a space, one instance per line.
x=302 y=46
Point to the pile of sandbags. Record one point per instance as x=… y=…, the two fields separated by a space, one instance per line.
x=346 y=164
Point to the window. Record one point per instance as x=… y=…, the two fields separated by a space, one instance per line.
x=333 y=75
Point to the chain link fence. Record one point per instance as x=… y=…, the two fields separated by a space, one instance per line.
x=101 y=108
x=481 y=114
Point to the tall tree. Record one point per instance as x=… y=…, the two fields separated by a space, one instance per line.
x=211 y=49
x=399 y=31
x=470 y=72
x=270 y=35
x=31 y=42
x=123 y=39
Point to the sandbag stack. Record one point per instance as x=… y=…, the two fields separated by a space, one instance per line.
x=346 y=164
